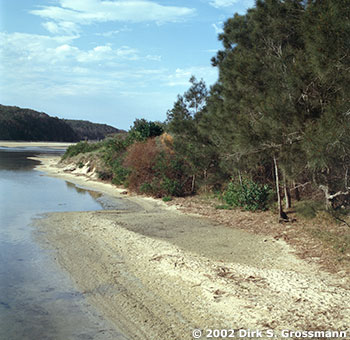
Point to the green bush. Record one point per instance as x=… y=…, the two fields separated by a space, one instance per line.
x=167 y=199
x=146 y=188
x=120 y=173
x=104 y=175
x=171 y=186
x=81 y=147
x=248 y=195
x=309 y=208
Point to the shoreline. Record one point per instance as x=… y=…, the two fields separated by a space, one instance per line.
x=54 y=145
x=158 y=273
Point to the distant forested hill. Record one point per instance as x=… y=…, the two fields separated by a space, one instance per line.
x=87 y=130
x=29 y=125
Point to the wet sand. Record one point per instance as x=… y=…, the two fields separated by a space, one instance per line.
x=158 y=273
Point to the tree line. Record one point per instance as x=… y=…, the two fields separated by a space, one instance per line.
x=277 y=119
x=29 y=125
x=280 y=111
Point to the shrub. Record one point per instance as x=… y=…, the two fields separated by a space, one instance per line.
x=104 y=175
x=309 y=208
x=171 y=186
x=120 y=173
x=140 y=158
x=248 y=195
x=143 y=129
x=155 y=170
x=146 y=188
x=81 y=147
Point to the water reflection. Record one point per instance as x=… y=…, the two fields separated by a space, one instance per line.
x=17 y=161
x=83 y=191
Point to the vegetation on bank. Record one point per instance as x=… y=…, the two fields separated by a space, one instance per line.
x=275 y=127
x=29 y=125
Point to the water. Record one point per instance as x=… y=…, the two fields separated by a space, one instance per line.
x=38 y=301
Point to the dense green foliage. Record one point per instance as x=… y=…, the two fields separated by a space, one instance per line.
x=142 y=160
x=278 y=115
x=143 y=129
x=81 y=147
x=86 y=130
x=248 y=195
x=29 y=125
x=279 y=111
x=194 y=145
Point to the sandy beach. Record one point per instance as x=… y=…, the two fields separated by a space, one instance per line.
x=52 y=145
x=158 y=273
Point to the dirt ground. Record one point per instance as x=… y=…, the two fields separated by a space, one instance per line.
x=160 y=271
x=319 y=240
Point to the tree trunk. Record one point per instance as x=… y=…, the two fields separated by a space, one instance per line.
x=205 y=180
x=296 y=191
x=281 y=213
x=193 y=183
x=286 y=192
x=240 y=177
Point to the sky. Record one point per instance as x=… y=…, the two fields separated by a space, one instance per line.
x=108 y=61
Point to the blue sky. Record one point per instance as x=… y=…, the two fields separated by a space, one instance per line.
x=107 y=61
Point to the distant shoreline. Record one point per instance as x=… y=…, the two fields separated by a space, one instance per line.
x=14 y=144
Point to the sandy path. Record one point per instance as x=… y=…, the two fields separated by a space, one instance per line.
x=158 y=273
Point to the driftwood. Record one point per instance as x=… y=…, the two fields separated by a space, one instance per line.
x=330 y=197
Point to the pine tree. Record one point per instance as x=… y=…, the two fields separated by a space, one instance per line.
x=326 y=141
x=261 y=77
x=183 y=121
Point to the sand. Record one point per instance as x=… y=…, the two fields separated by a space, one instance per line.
x=52 y=145
x=158 y=273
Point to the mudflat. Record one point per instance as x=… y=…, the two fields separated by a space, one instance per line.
x=158 y=273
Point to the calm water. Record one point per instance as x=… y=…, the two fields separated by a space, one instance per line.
x=38 y=301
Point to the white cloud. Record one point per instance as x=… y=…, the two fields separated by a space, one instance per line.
x=127 y=53
x=113 y=32
x=84 y=12
x=64 y=27
x=32 y=64
x=41 y=49
x=181 y=76
x=229 y=3
x=154 y=57
x=108 y=34
x=223 y=3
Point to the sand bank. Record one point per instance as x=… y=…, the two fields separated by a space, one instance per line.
x=158 y=273
x=52 y=145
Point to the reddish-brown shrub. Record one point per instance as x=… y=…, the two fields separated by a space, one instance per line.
x=141 y=158
x=156 y=169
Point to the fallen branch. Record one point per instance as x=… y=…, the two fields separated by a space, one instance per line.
x=300 y=186
x=331 y=197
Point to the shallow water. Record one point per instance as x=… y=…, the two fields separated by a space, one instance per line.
x=37 y=299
